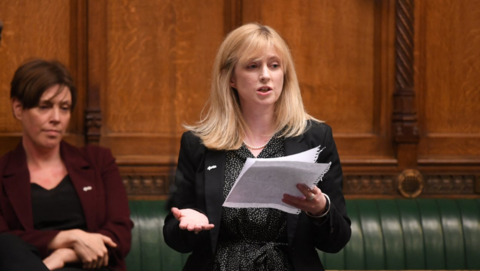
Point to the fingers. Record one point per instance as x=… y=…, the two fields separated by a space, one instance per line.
x=196 y=227
x=105 y=261
x=88 y=263
x=91 y=248
x=307 y=192
x=312 y=200
x=208 y=227
x=101 y=257
x=199 y=228
x=95 y=259
x=309 y=195
x=108 y=241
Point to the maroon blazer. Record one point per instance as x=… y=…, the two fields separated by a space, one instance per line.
x=105 y=205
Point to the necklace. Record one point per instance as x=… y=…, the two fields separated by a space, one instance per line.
x=256 y=147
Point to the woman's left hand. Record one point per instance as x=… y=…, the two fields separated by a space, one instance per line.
x=312 y=201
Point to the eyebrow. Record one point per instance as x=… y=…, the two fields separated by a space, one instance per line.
x=49 y=102
x=255 y=59
x=45 y=102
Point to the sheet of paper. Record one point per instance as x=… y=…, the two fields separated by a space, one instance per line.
x=310 y=155
x=262 y=182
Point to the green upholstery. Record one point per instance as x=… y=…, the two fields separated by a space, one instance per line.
x=386 y=234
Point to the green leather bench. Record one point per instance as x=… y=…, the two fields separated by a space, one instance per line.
x=386 y=234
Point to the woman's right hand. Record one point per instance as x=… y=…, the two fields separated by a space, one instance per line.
x=192 y=220
x=90 y=247
x=59 y=258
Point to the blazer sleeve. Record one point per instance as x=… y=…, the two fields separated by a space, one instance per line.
x=184 y=196
x=117 y=224
x=39 y=239
x=333 y=232
x=9 y=222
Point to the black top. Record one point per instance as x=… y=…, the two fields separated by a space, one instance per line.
x=251 y=238
x=58 y=208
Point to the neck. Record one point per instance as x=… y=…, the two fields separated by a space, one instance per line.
x=261 y=126
x=40 y=157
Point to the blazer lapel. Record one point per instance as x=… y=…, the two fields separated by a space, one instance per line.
x=16 y=183
x=214 y=179
x=292 y=146
x=83 y=178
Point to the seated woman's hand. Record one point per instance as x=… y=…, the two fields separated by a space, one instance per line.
x=192 y=220
x=59 y=258
x=91 y=248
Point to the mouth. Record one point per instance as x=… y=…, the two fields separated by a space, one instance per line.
x=52 y=132
x=264 y=89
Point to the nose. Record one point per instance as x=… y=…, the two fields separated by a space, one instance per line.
x=55 y=115
x=264 y=74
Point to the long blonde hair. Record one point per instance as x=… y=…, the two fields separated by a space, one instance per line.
x=222 y=126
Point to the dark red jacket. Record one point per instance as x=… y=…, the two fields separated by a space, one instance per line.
x=105 y=205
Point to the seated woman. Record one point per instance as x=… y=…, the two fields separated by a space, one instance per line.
x=256 y=110
x=61 y=207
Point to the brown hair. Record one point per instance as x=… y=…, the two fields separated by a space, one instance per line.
x=33 y=77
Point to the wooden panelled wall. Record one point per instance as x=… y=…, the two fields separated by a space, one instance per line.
x=396 y=79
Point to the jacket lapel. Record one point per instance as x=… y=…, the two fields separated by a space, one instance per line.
x=16 y=182
x=83 y=178
x=214 y=179
x=292 y=146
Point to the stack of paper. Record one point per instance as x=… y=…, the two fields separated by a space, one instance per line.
x=262 y=182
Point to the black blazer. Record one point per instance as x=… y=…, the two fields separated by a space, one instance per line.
x=201 y=189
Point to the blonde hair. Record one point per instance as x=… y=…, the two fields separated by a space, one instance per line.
x=222 y=127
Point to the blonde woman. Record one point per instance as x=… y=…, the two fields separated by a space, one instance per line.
x=255 y=110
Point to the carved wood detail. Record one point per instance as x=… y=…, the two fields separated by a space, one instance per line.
x=1 y=28
x=410 y=183
x=369 y=184
x=147 y=185
x=93 y=124
x=477 y=184
x=449 y=184
x=97 y=70
x=440 y=184
x=405 y=128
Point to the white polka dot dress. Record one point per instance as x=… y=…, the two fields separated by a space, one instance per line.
x=251 y=238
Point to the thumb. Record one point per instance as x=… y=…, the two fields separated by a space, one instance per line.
x=108 y=241
x=176 y=213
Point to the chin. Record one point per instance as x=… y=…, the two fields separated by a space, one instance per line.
x=49 y=144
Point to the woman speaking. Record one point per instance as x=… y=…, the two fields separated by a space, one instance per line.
x=255 y=110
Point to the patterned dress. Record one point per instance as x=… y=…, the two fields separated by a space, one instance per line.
x=251 y=238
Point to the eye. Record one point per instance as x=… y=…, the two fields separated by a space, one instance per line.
x=276 y=65
x=65 y=108
x=252 y=66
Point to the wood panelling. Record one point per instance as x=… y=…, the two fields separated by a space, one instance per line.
x=448 y=75
x=97 y=68
x=343 y=54
x=37 y=29
x=396 y=79
x=159 y=60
